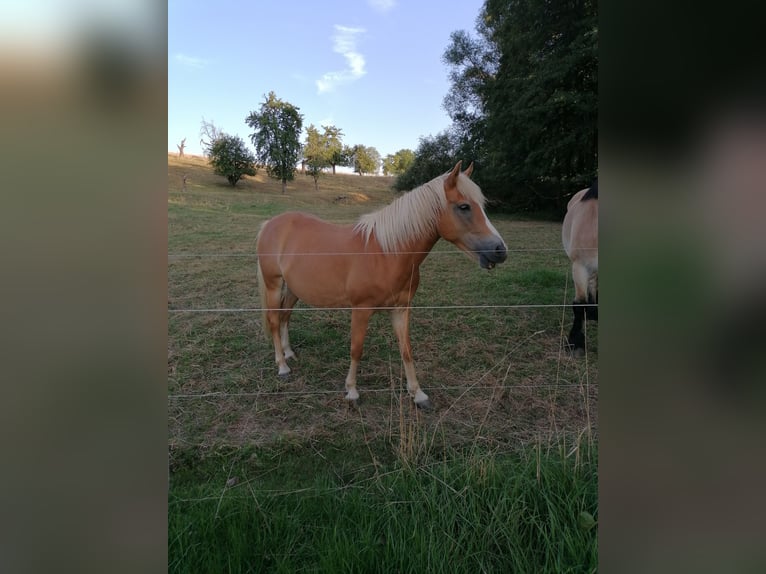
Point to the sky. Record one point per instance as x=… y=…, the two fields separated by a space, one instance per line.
x=372 y=68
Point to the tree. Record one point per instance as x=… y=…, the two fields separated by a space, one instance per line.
x=208 y=134
x=347 y=156
x=276 y=138
x=181 y=147
x=230 y=158
x=434 y=156
x=366 y=159
x=398 y=163
x=317 y=154
x=334 y=144
x=524 y=99
x=473 y=62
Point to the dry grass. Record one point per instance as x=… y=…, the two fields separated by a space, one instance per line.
x=498 y=377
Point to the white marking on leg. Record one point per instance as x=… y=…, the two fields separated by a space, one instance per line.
x=420 y=397
x=351 y=393
x=285 y=336
x=400 y=321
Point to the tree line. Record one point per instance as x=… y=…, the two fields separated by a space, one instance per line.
x=523 y=103
x=277 y=126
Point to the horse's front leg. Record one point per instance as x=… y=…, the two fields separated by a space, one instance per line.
x=360 y=318
x=400 y=318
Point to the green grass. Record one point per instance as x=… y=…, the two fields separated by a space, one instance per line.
x=484 y=482
x=463 y=512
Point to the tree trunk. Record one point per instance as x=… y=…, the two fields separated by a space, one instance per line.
x=284 y=185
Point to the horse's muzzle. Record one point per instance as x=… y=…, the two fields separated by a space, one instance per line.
x=488 y=258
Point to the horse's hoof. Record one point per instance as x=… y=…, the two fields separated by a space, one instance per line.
x=425 y=405
x=352 y=395
x=284 y=376
x=573 y=351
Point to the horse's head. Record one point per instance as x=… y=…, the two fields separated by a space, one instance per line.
x=464 y=222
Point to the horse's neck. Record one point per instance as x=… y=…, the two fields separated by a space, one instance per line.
x=419 y=249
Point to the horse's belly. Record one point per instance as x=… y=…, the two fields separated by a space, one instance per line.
x=342 y=287
x=318 y=289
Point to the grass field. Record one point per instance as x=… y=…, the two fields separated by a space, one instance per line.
x=284 y=476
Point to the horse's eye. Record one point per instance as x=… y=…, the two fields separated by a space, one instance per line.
x=464 y=207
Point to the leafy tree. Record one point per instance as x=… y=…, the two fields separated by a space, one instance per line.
x=230 y=158
x=317 y=153
x=366 y=159
x=398 y=163
x=524 y=99
x=347 y=156
x=435 y=155
x=473 y=63
x=334 y=143
x=276 y=138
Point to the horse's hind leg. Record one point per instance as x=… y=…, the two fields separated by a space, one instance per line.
x=360 y=318
x=576 y=337
x=274 y=319
x=288 y=302
x=591 y=312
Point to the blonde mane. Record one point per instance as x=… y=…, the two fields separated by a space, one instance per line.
x=414 y=214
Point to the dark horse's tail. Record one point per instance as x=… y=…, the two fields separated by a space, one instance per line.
x=592 y=193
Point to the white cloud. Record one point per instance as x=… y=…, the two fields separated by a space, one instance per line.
x=382 y=5
x=344 y=43
x=191 y=61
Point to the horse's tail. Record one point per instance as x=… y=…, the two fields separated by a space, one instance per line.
x=592 y=192
x=262 y=287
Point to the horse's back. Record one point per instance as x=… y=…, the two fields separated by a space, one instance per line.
x=314 y=257
x=579 y=232
x=295 y=232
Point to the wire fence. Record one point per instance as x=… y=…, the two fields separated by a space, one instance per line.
x=479 y=384
x=388 y=308
x=386 y=390
x=335 y=253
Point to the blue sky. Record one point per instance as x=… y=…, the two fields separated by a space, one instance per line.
x=370 y=67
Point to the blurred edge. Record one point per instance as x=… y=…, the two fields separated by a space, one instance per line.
x=84 y=319
x=84 y=228
x=683 y=161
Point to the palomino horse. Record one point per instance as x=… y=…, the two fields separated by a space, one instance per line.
x=371 y=266
x=580 y=237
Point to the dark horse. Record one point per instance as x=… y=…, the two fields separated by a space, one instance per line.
x=580 y=237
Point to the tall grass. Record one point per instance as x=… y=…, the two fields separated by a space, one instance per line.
x=463 y=512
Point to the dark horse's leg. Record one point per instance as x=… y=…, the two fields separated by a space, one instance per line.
x=591 y=312
x=576 y=337
x=581 y=312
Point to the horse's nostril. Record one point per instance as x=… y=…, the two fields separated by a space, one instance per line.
x=501 y=252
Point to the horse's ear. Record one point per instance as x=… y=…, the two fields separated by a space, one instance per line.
x=451 y=180
x=469 y=170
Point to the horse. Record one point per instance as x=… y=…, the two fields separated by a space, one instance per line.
x=579 y=234
x=369 y=266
